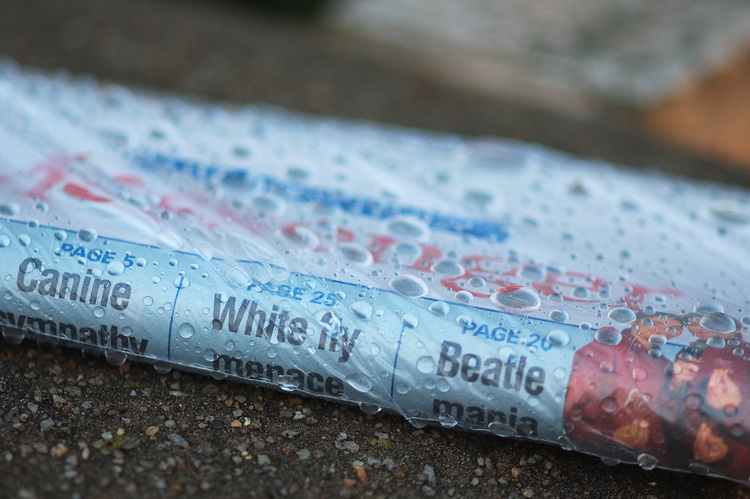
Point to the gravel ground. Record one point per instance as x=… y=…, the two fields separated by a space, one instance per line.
x=77 y=427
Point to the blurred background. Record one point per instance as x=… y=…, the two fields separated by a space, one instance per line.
x=643 y=83
x=682 y=66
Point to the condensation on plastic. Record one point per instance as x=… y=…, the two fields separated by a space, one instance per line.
x=478 y=283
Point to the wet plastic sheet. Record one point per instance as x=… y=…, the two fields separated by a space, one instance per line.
x=477 y=283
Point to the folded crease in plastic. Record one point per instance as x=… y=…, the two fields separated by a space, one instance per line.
x=483 y=284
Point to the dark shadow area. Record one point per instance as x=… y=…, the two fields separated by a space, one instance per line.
x=299 y=9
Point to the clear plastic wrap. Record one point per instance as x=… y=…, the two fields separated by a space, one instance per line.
x=484 y=284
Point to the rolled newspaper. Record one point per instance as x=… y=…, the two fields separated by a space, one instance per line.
x=484 y=284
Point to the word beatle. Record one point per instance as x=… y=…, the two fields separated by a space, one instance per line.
x=491 y=372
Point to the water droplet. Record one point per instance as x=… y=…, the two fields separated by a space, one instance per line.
x=730 y=411
x=87 y=235
x=408 y=251
x=361 y=309
x=608 y=336
x=440 y=308
x=425 y=365
x=418 y=419
x=99 y=312
x=464 y=296
x=9 y=209
x=4 y=241
x=737 y=430
x=716 y=342
x=622 y=315
x=141 y=262
x=501 y=429
x=126 y=331
x=162 y=367
x=148 y=301
x=718 y=322
x=181 y=282
x=657 y=340
x=655 y=352
x=359 y=382
x=229 y=345
x=708 y=307
x=301 y=237
x=354 y=253
x=443 y=385
x=35 y=305
x=464 y=321
x=446 y=420
x=210 y=355
x=565 y=443
x=558 y=338
x=609 y=405
x=12 y=336
x=24 y=240
x=288 y=383
x=402 y=388
x=639 y=373
x=237 y=278
x=581 y=292
x=731 y=212
x=516 y=298
x=477 y=198
x=409 y=286
x=270 y=204
x=408 y=228
x=477 y=282
x=532 y=273
x=647 y=462
x=115 y=268
x=330 y=322
x=699 y=468
x=560 y=373
x=272 y=353
x=410 y=320
x=115 y=357
x=606 y=366
x=556 y=298
x=369 y=409
x=559 y=315
x=449 y=268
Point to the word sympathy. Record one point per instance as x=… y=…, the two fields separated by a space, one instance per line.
x=104 y=337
